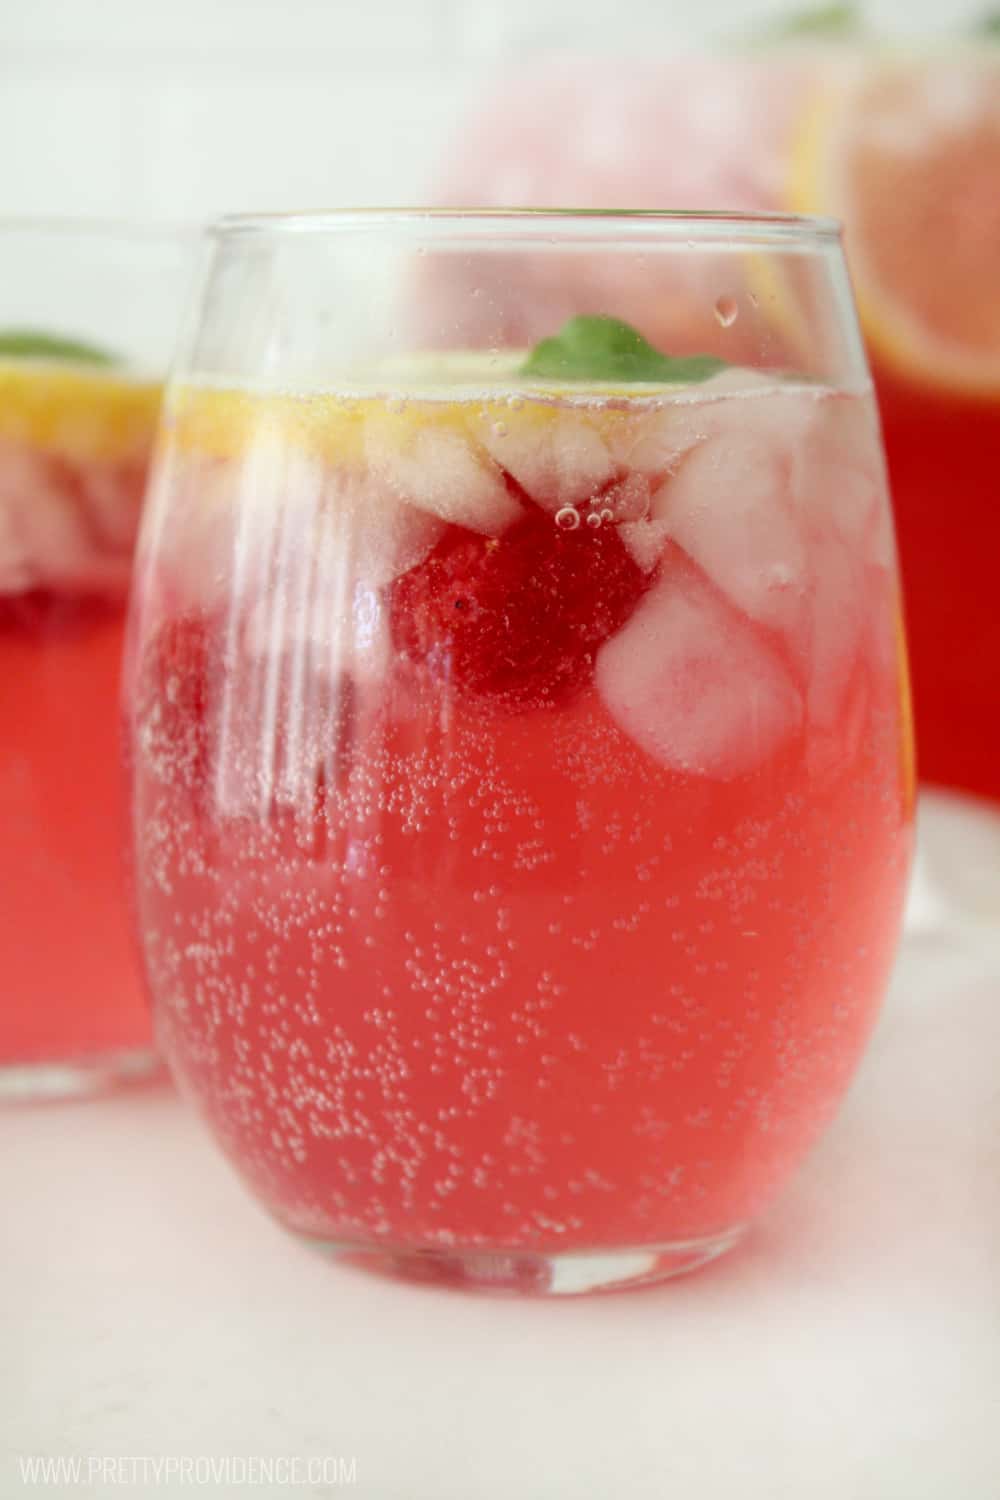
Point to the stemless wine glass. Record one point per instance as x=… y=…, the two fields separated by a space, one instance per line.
x=522 y=770
x=88 y=314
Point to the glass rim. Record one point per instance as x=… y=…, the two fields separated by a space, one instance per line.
x=686 y=226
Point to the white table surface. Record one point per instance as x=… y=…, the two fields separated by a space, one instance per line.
x=849 y=1351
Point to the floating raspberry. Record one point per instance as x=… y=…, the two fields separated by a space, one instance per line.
x=517 y=618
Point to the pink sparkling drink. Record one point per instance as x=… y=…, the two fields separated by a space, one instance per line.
x=522 y=803
x=86 y=311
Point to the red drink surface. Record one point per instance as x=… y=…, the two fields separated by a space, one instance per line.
x=542 y=894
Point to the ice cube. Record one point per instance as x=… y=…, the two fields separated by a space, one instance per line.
x=439 y=472
x=653 y=444
x=558 y=458
x=730 y=509
x=44 y=537
x=834 y=745
x=380 y=535
x=111 y=501
x=629 y=499
x=736 y=380
x=837 y=477
x=222 y=519
x=735 y=399
x=268 y=501
x=781 y=505
x=189 y=528
x=693 y=684
x=837 y=609
x=645 y=541
x=314 y=591
x=837 y=471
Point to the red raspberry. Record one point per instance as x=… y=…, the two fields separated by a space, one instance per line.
x=517 y=618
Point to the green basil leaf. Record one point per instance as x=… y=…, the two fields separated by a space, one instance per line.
x=608 y=350
x=31 y=343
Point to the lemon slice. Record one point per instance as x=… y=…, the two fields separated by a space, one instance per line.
x=400 y=399
x=907 y=153
x=79 y=412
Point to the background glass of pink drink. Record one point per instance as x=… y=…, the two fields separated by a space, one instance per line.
x=522 y=769
x=76 y=431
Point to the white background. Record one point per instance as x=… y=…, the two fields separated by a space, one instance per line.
x=171 y=109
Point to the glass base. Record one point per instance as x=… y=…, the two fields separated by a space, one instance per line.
x=536 y=1273
x=76 y=1077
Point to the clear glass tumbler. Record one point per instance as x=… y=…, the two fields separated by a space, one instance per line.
x=521 y=754
x=88 y=314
